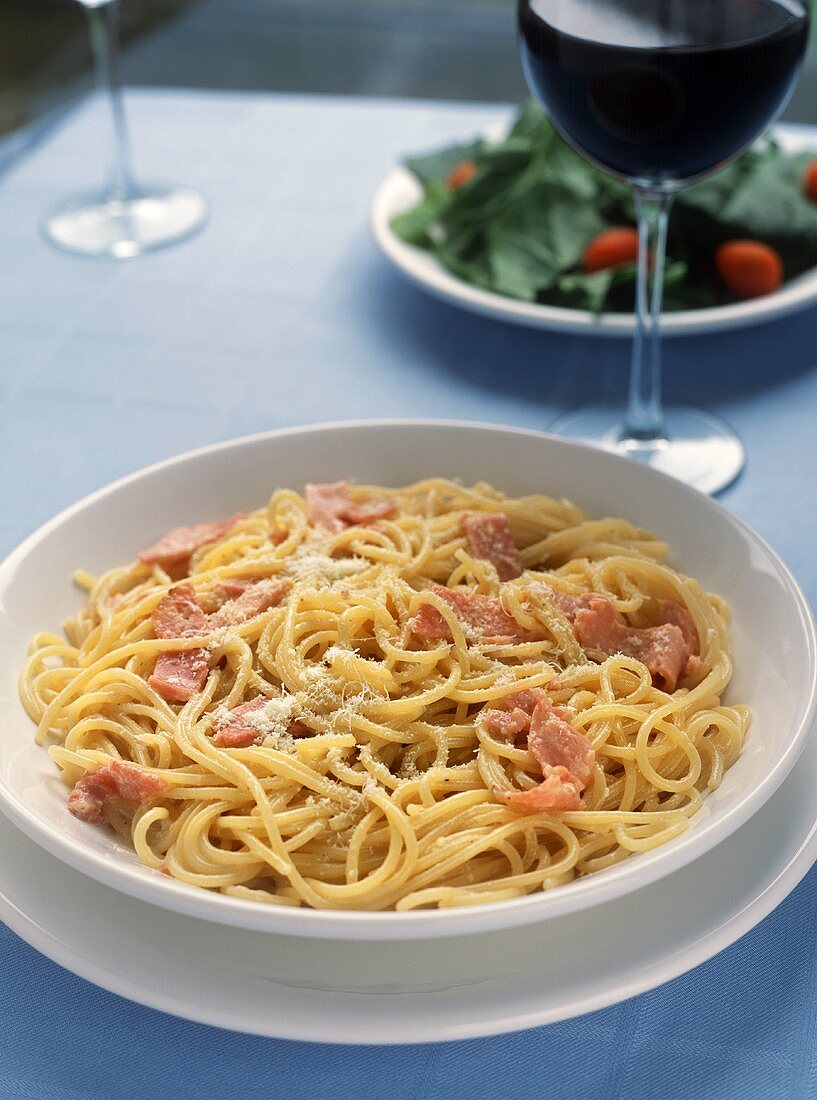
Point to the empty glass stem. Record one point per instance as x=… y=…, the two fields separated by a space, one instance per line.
x=104 y=27
x=644 y=421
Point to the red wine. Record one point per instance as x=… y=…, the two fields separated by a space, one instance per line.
x=662 y=90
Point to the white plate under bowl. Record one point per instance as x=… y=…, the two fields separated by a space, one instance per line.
x=401 y=190
x=414 y=992
x=772 y=633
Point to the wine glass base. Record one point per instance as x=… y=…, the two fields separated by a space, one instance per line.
x=699 y=449
x=98 y=225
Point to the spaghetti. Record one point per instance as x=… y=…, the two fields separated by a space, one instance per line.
x=336 y=702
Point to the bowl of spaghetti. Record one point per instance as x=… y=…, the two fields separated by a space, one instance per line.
x=395 y=679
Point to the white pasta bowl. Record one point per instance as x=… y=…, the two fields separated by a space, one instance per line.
x=772 y=635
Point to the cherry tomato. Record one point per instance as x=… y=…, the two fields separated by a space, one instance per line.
x=810 y=181
x=460 y=175
x=610 y=249
x=749 y=268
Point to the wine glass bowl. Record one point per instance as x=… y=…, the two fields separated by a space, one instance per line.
x=661 y=93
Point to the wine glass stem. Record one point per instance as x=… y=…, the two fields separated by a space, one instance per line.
x=644 y=422
x=104 y=27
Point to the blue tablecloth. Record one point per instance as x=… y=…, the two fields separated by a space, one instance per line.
x=283 y=312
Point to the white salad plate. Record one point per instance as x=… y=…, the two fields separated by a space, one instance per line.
x=413 y=992
x=779 y=683
x=400 y=191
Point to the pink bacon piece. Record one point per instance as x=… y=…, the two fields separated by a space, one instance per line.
x=180 y=674
x=234 y=731
x=669 y=650
x=564 y=754
x=489 y=536
x=558 y=791
x=179 y=614
x=115 y=782
x=526 y=700
x=234 y=586
x=176 y=547
x=555 y=743
x=483 y=619
x=677 y=615
x=507 y=723
x=569 y=604
x=512 y=714
x=368 y=511
x=324 y=503
x=663 y=649
x=250 y=600
x=670 y=612
x=330 y=506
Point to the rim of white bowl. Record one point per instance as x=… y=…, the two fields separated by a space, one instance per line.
x=132 y=878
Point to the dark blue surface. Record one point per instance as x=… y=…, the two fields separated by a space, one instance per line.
x=282 y=312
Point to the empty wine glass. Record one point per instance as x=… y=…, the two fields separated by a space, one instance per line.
x=125 y=219
x=661 y=93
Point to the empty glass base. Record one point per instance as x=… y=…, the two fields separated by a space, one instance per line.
x=699 y=449
x=97 y=225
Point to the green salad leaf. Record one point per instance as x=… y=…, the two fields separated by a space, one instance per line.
x=520 y=225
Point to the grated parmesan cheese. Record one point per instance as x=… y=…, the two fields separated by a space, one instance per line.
x=271 y=721
x=311 y=565
x=272 y=718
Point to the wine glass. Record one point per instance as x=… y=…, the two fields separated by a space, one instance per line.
x=125 y=219
x=661 y=93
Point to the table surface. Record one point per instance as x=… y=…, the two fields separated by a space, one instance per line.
x=283 y=312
